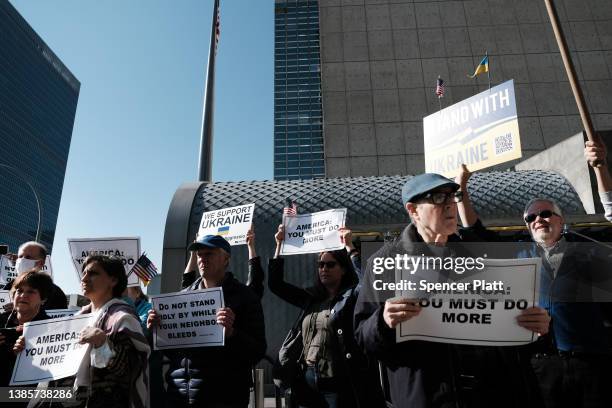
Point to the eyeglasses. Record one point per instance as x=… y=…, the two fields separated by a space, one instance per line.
x=443 y=198
x=329 y=264
x=542 y=214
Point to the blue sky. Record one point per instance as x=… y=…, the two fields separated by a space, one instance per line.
x=136 y=135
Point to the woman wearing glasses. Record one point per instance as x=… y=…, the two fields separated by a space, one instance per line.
x=335 y=372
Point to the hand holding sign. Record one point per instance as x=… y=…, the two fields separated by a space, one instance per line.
x=535 y=319
x=92 y=335
x=226 y=317
x=19 y=345
x=400 y=310
x=153 y=319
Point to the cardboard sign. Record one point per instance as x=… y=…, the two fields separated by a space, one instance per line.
x=481 y=313
x=481 y=131
x=127 y=249
x=188 y=319
x=5 y=298
x=52 y=350
x=231 y=223
x=55 y=313
x=7 y=270
x=312 y=233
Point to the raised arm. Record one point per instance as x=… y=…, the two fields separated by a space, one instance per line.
x=256 y=274
x=276 y=277
x=596 y=152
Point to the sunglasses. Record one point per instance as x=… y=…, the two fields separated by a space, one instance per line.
x=443 y=198
x=329 y=264
x=542 y=214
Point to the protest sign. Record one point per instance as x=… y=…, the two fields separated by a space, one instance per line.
x=480 y=131
x=7 y=270
x=55 y=313
x=127 y=249
x=188 y=319
x=231 y=223
x=47 y=267
x=312 y=233
x=482 y=313
x=5 y=298
x=52 y=350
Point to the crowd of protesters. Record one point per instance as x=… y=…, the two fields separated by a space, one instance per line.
x=344 y=339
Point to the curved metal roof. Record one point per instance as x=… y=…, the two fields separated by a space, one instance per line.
x=373 y=201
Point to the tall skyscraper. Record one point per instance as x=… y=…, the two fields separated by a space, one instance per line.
x=298 y=140
x=38 y=100
x=380 y=60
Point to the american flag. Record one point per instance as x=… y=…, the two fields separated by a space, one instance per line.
x=440 y=88
x=290 y=208
x=217 y=26
x=144 y=269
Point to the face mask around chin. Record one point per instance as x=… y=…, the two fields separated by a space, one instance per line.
x=22 y=265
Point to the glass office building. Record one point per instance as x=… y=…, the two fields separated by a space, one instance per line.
x=298 y=139
x=38 y=100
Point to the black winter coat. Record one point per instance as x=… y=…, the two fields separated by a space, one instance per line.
x=220 y=375
x=425 y=374
x=358 y=376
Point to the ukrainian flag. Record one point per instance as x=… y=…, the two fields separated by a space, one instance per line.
x=482 y=67
x=223 y=230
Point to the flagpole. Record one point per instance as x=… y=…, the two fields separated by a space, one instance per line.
x=571 y=74
x=206 y=141
x=488 y=69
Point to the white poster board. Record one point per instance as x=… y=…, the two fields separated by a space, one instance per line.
x=7 y=270
x=478 y=314
x=55 y=313
x=230 y=223
x=188 y=319
x=5 y=298
x=48 y=267
x=126 y=248
x=312 y=233
x=480 y=131
x=52 y=350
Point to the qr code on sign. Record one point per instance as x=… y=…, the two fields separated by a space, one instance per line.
x=503 y=144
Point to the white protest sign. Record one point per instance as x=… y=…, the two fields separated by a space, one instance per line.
x=52 y=350
x=47 y=267
x=55 y=313
x=231 y=223
x=5 y=298
x=482 y=313
x=127 y=249
x=188 y=319
x=312 y=233
x=7 y=270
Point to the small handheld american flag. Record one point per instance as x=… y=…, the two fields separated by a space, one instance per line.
x=144 y=269
x=290 y=208
x=440 y=88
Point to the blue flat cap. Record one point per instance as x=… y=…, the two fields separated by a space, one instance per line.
x=211 y=241
x=424 y=183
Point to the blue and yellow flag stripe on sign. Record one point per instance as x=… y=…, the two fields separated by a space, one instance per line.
x=223 y=230
x=482 y=67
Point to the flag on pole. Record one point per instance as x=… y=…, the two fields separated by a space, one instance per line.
x=144 y=269
x=290 y=208
x=440 y=88
x=482 y=67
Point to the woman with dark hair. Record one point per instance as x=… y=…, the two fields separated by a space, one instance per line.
x=115 y=372
x=336 y=372
x=29 y=292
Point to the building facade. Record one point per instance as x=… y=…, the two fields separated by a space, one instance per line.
x=38 y=100
x=298 y=140
x=380 y=60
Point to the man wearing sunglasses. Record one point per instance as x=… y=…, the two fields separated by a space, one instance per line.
x=426 y=374
x=572 y=361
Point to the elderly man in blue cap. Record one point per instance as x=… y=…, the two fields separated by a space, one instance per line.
x=425 y=374
x=218 y=376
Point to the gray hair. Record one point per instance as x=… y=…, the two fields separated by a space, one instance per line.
x=552 y=202
x=41 y=248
